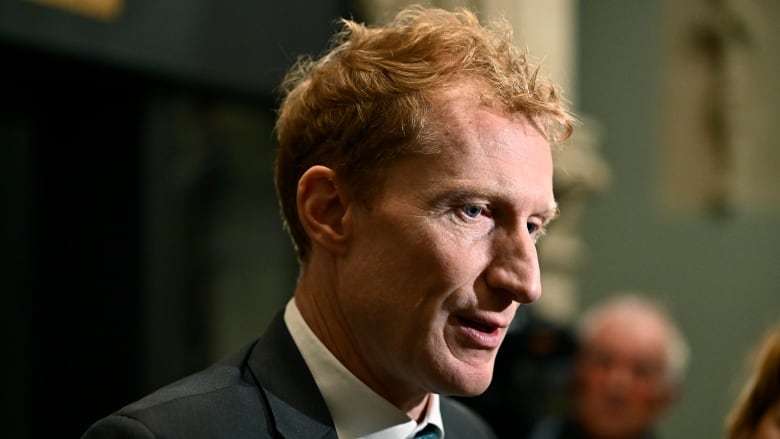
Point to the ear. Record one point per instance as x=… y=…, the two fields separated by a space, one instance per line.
x=323 y=208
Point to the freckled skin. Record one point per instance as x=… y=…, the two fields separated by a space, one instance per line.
x=438 y=264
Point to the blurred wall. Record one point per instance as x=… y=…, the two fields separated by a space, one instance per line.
x=718 y=272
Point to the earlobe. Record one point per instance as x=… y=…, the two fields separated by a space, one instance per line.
x=323 y=208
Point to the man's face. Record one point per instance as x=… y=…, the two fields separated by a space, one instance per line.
x=439 y=262
x=622 y=386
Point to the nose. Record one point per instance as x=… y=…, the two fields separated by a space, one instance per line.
x=618 y=379
x=514 y=267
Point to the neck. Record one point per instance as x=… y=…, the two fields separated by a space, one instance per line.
x=418 y=412
x=317 y=298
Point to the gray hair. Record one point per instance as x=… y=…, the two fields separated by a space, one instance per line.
x=676 y=348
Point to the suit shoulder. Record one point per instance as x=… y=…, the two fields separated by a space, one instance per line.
x=226 y=373
x=462 y=422
x=221 y=401
x=118 y=427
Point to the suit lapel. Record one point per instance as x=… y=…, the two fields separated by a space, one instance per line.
x=295 y=401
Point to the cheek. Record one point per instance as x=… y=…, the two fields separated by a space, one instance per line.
x=592 y=391
x=397 y=269
x=412 y=263
x=431 y=255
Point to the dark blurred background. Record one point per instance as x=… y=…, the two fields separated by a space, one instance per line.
x=141 y=238
x=135 y=147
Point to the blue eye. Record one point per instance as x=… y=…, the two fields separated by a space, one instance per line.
x=536 y=231
x=472 y=211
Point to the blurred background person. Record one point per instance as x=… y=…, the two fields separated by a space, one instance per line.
x=756 y=413
x=628 y=371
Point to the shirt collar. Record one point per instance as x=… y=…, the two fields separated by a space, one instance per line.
x=357 y=411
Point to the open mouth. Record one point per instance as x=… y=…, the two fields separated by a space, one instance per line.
x=481 y=327
x=477 y=333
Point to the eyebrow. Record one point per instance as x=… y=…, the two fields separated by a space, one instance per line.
x=461 y=195
x=551 y=214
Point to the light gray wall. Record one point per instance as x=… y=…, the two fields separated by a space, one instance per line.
x=719 y=274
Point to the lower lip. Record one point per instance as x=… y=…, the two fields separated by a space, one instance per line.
x=479 y=339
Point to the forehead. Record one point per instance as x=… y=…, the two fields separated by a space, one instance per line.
x=462 y=123
x=635 y=334
x=473 y=149
x=466 y=104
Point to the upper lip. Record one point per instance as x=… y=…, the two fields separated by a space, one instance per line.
x=491 y=321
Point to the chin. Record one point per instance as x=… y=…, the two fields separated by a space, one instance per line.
x=472 y=389
x=475 y=391
x=467 y=383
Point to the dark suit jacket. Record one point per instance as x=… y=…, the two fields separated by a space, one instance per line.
x=263 y=391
